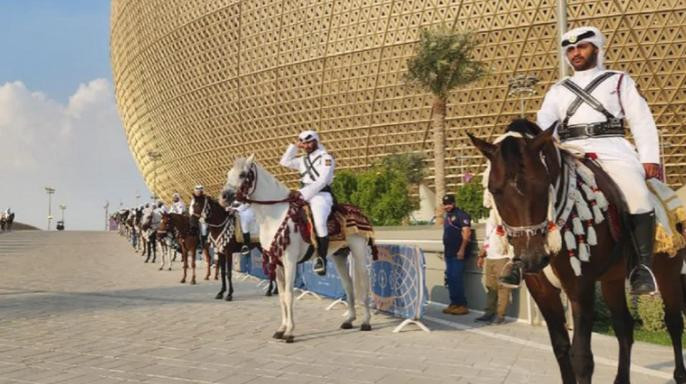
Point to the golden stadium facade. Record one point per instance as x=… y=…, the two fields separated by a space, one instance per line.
x=204 y=81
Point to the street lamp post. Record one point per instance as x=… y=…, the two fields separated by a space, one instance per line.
x=50 y=192
x=107 y=215
x=154 y=156
x=522 y=85
x=63 y=207
x=562 y=29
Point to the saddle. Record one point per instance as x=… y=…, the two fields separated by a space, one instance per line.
x=344 y=220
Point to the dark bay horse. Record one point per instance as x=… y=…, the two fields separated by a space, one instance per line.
x=522 y=170
x=222 y=226
x=186 y=237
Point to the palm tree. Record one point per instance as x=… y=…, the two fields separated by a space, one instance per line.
x=442 y=62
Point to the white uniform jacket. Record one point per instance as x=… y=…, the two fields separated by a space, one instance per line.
x=316 y=169
x=178 y=207
x=621 y=98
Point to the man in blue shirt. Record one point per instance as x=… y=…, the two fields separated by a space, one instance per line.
x=456 y=234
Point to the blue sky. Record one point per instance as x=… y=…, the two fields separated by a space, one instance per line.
x=58 y=119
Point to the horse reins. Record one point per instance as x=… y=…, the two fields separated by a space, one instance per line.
x=248 y=186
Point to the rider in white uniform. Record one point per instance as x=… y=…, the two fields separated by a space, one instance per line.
x=316 y=170
x=177 y=204
x=247 y=216
x=609 y=102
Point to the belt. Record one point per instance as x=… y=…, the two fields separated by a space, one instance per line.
x=325 y=189
x=609 y=128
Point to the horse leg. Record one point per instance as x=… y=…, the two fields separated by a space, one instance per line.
x=361 y=279
x=192 y=257
x=220 y=294
x=289 y=280
x=347 y=281
x=282 y=302
x=229 y=264
x=206 y=255
x=548 y=300
x=669 y=280
x=582 y=312
x=622 y=324
x=184 y=257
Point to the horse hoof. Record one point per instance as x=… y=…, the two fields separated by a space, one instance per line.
x=169 y=269
x=229 y=298
x=216 y=277
x=347 y=325
x=289 y=339
x=278 y=335
x=365 y=327
x=219 y=296
x=268 y=293
x=193 y=282
x=207 y=277
x=161 y=268
x=145 y=261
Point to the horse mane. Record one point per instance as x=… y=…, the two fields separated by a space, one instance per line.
x=524 y=127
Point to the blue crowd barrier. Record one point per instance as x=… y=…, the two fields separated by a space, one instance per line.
x=397 y=279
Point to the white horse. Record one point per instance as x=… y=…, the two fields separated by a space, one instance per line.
x=247 y=180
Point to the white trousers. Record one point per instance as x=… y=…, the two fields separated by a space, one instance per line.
x=630 y=177
x=320 y=204
x=247 y=216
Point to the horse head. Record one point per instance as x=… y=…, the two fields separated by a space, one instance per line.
x=165 y=225
x=520 y=181
x=240 y=180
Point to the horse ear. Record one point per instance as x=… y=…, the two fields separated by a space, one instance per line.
x=250 y=160
x=542 y=139
x=486 y=148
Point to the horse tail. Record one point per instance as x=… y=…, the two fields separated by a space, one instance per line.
x=375 y=250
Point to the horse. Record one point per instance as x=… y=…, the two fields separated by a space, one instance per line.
x=525 y=168
x=186 y=238
x=222 y=228
x=9 y=221
x=247 y=181
x=149 y=225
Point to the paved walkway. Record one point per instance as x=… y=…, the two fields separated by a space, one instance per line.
x=81 y=307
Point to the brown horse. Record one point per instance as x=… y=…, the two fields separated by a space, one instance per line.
x=185 y=237
x=222 y=227
x=520 y=183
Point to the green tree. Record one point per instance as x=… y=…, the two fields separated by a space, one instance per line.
x=470 y=198
x=383 y=194
x=344 y=185
x=442 y=62
x=410 y=164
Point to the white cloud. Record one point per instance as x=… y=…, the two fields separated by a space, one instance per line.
x=78 y=148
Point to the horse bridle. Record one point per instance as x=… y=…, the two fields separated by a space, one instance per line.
x=248 y=186
x=205 y=213
x=514 y=231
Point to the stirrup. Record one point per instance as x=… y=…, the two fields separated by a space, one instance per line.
x=319 y=266
x=513 y=279
x=652 y=277
x=245 y=251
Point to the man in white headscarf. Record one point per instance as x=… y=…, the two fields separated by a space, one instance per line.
x=316 y=170
x=177 y=204
x=591 y=110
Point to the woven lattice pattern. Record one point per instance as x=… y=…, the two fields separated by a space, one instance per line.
x=204 y=81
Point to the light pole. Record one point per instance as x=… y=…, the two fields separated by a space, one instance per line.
x=562 y=29
x=107 y=218
x=522 y=85
x=154 y=156
x=50 y=192
x=63 y=207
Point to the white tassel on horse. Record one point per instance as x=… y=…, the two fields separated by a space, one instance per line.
x=570 y=240
x=598 y=216
x=584 y=252
x=591 y=237
x=582 y=207
x=577 y=226
x=553 y=238
x=600 y=198
x=576 y=265
x=590 y=195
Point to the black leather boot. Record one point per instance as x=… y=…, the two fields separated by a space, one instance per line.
x=643 y=235
x=511 y=278
x=320 y=262
x=245 y=249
